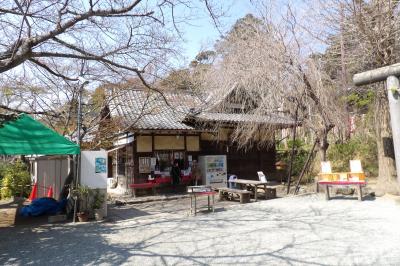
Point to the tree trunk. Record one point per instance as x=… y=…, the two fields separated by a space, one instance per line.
x=292 y=153
x=323 y=144
x=386 y=162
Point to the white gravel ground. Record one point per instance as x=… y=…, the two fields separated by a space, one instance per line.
x=291 y=231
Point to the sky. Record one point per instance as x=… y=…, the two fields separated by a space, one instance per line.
x=201 y=33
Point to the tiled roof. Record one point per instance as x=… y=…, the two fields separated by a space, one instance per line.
x=142 y=109
x=272 y=119
x=148 y=110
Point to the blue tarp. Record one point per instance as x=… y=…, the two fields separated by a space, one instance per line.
x=43 y=206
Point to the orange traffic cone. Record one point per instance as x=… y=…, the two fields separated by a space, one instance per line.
x=50 y=192
x=33 y=194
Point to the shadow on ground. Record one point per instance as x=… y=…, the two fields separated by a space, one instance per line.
x=282 y=232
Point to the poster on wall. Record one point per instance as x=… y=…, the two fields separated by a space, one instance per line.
x=153 y=163
x=144 y=165
x=100 y=165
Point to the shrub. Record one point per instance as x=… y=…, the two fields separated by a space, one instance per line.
x=15 y=176
x=3 y=167
x=363 y=149
x=98 y=199
x=299 y=159
x=83 y=194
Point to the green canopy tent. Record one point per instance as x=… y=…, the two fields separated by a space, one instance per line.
x=26 y=136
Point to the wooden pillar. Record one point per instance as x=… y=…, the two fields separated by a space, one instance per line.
x=273 y=151
x=135 y=161
x=184 y=140
x=185 y=160
x=152 y=142
x=116 y=163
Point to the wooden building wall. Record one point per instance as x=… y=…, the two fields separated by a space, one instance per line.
x=243 y=163
x=146 y=145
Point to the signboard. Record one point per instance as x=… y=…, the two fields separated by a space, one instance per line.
x=153 y=163
x=144 y=165
x=94 y=169
x=123 y=140
x=100 y=165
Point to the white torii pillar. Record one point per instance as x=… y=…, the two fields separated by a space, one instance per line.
x=390 y=74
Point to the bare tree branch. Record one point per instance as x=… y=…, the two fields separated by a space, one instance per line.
x=28 y=112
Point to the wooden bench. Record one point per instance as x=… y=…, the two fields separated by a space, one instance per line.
x=243 y=194
x=327 y=184
x=254 y=185
x=270 y=193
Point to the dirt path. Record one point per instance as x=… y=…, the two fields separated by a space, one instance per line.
x=303 y=230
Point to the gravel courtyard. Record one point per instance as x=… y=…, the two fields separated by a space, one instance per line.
x=303 y=230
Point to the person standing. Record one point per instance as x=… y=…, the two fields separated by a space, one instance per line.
x=175 y=175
